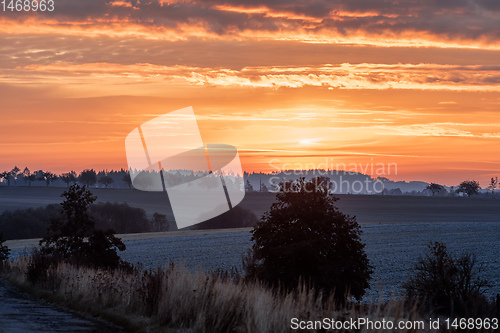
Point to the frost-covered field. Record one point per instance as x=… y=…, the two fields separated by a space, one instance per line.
x=392 y=248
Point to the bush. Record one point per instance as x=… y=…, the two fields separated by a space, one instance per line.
x=304 y=237
x=448 y=285
x=41 y=269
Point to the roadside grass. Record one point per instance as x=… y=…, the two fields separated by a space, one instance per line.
x=174 y=299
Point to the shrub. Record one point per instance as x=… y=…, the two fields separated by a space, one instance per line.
x=74 y=238
x=41 y=269
x=304 y=237
x=101 y=250
x=448 y=285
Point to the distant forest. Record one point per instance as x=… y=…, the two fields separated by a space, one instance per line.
x=343 y=182
x=33 y=222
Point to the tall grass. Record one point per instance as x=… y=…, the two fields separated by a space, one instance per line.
x=176 y=298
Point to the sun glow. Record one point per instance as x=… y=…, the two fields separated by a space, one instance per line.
x=308 y=142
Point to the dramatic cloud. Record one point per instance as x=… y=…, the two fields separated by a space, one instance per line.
x=344 y=76
x=419 y=22
x=410 y=82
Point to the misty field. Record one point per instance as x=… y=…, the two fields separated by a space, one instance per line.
x=29 y=197
x=392 y=248
x=396 y=230
x=158 y=299
x=367 y=208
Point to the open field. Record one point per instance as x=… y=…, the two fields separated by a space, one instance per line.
x=400 y=209
x=367 y=208
x=27 y=197
x=20 y=244
x=392 y=248
x=396 y=232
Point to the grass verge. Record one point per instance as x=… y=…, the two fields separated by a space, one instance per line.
x=174 y=299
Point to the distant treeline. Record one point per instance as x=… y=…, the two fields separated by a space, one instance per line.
x=88 y=177
x=123 y=219
x=343 y=182
x=33 y=222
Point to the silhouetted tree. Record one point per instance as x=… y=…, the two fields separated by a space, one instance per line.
x=248 y=186
x=88 y=177
x=127 y=180
x=48 y=177
x=446 y=283
x=396 y=191
x=69 y=177
x=159 y=223
x=14 y=173
x=39 y=175
x=493 y=184
x=304 y=237
x=6 y=176
x=28 y=176
x=469 y=187
x=263 y=188
x=434 y=188
x=74 y=238
x=106 y=180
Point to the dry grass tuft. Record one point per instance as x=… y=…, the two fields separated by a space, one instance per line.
x=176 y=298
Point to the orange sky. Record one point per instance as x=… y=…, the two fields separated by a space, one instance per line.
x=298 y=83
